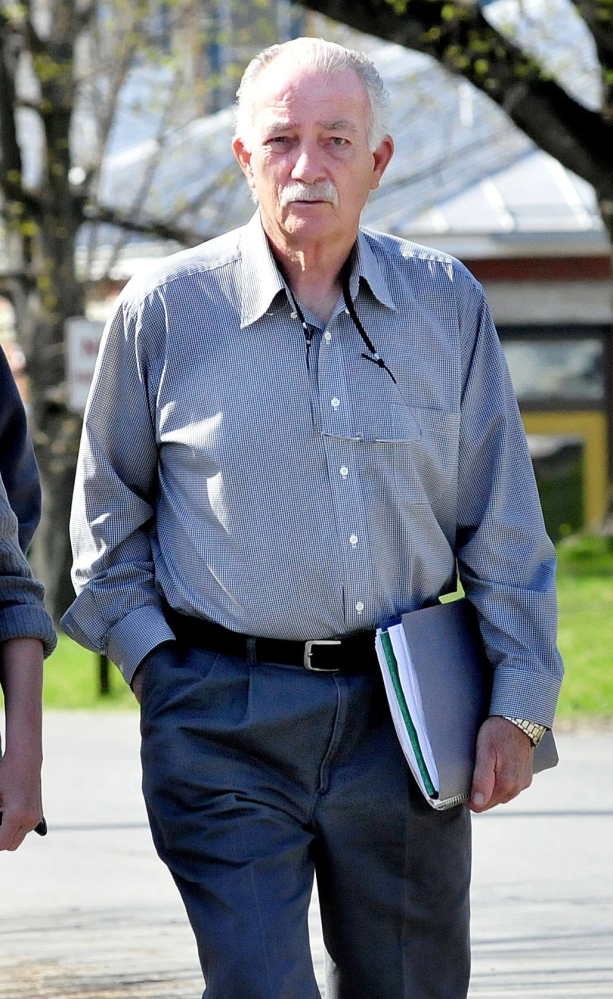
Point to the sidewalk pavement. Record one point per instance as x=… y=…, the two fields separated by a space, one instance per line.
x=91 y=912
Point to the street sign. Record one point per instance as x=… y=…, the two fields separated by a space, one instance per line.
x=82 y=337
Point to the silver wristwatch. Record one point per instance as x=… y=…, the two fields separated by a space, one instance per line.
x=533 y=730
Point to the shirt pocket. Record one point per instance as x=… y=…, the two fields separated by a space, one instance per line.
x=425 y=449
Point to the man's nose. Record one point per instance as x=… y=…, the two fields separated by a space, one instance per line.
x=308 y=167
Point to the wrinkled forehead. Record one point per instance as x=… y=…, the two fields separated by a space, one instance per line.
x=286 y=93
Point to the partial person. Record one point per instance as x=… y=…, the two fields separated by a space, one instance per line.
x=296 y=432
x=26 y=630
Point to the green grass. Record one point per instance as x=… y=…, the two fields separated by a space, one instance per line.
x=585 y=591
x=585 y=587
x=72 y=680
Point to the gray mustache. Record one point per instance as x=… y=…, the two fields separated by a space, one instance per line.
x=323 y=190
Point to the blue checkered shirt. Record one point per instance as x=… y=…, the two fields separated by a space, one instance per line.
x=302 y=495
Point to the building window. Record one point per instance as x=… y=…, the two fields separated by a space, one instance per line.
x=557 y=371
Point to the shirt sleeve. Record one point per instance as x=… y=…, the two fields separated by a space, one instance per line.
x=506 y=561
x=118 y=610
x=17 y=462
x=22 y=614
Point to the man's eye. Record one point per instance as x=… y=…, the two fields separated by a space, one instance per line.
x=338 y=140
x=278 y=140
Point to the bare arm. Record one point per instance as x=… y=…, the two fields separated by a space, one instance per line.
x=21 y=675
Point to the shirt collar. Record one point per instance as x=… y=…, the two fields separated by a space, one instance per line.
x=365 y=265
x=262 y=280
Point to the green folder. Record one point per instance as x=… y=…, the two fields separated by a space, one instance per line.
x=411 y=731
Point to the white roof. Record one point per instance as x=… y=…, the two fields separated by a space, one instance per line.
x=534 y=207
x=463 y=177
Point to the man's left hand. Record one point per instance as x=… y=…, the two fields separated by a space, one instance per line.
x=503 y=765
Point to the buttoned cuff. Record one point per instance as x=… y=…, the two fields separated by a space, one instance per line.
x=132 y=638
x=519 y=694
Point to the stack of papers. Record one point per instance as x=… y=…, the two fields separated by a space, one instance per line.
x=404 y=697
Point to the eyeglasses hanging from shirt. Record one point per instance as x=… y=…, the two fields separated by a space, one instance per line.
x=373 y=355
x=310 y=330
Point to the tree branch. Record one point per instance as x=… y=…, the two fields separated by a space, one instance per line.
x=84 y=17
x=598 y=15
x=462 y=40
x=144 y=188
x=160 y=230
x=36 y=106
x=24 y=25
x=10 y=153
x=11 y=166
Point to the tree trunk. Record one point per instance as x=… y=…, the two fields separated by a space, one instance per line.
x=56 y=451
x=55 y=429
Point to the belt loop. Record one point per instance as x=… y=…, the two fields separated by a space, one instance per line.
x=251 y=649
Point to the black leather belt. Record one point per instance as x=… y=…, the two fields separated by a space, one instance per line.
x=347 y=654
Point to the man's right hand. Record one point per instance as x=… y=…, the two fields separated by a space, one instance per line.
x=137 y=680
x=21 y=671
x=504 y=764
x=20 y=794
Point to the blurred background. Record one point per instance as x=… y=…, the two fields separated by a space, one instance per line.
x=115 y=129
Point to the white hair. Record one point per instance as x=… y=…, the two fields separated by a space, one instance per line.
x=322 y=57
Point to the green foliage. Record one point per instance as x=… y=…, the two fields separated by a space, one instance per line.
x=585 y=592
x=398 y=6
x=449 y=12
x=586 y=643
x=587 y=555
x=432 y=35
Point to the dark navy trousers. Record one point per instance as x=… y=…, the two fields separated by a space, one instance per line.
x=256 y=777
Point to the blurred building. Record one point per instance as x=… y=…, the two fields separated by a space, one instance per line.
x=463 y=180
x=531 y=233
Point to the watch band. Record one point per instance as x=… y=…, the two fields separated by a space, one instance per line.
x=533 y=730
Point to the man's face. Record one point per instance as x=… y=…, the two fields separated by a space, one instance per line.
x=307 y=155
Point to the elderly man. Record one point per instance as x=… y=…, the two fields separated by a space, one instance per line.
x=294 y=433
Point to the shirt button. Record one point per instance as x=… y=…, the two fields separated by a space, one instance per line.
x=344 y=471
x=347 y=312
x=359 y=606
x=327 y=336
x=293 y=315
x=353 y=539
x=335 y=403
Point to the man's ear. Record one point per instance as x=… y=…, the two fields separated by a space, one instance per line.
x=243 y=156
x=382 y=155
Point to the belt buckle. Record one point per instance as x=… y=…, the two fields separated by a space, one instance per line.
x=308 y=647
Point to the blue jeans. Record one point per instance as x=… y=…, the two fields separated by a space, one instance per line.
x=258 y=775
